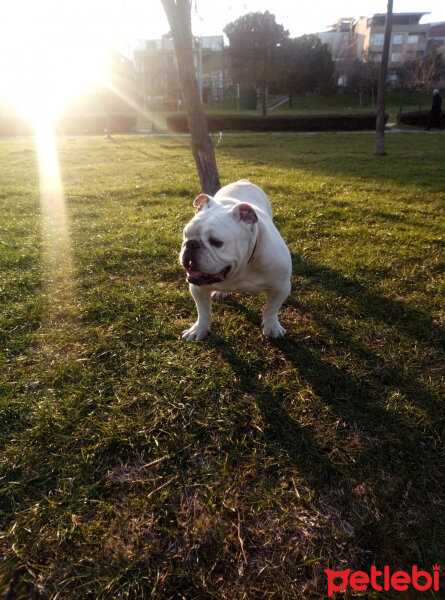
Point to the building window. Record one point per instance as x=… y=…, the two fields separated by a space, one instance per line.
x=416 y=38
x=397 y=38
x=396 y=57
x=377 y=39
x=217 y=79
x=213 y=42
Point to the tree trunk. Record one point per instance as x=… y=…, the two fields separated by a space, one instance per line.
x=381 y=92
x=179 y=17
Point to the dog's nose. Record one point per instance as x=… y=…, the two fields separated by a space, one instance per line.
x=192 y=244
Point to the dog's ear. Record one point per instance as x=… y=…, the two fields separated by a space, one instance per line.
x=244 y=212
x=202 y=201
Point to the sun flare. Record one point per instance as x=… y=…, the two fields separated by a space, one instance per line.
x=50 y=52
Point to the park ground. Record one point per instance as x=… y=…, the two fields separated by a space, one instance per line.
x=134 y=465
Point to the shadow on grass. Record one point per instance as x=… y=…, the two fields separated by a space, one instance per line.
x=418 y=325
x=334 y=154
x=281 y=428
x=398 y=455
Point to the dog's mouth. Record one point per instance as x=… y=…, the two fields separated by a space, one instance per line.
x=200 y=278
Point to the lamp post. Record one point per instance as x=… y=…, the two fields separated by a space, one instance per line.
x=381 y=94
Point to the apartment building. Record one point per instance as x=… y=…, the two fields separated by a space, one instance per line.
x=436 y=38
x=408 y=39
x=156 y=70
x=350 y=39
x=338 y=36
x=117 y=93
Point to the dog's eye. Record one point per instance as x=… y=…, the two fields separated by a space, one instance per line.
x=215 y=243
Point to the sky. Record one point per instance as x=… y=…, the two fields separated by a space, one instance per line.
x=88 y=23
x=146 y=19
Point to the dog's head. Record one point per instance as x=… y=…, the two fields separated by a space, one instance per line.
x=217 y=241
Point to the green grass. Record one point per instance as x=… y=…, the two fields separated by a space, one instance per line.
x=133 y=465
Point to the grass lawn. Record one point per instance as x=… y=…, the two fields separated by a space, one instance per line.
x=134 y=465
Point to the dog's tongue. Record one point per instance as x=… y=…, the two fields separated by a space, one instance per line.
x=193 y=272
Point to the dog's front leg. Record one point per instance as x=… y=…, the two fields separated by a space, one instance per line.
x=274 y=299
x=201 y=328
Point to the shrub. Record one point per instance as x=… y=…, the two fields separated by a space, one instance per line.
x=178 y=123
x=417 y=117
x=15 y=125
x=95 y=124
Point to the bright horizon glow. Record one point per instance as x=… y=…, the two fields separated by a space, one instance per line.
x=49 y=52
x=41 y=83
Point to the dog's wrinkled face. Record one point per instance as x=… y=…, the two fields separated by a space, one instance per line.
x=216 y=241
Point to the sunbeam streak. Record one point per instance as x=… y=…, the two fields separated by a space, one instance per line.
x=57 y=257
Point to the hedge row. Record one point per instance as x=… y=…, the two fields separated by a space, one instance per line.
x=178 y=123
x=418 y=118
x=72 y=125
x=14 y=126
x=96 y=124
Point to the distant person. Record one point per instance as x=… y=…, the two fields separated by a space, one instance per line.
x=436 y=111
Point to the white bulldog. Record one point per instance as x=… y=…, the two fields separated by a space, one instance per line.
x=232 y=244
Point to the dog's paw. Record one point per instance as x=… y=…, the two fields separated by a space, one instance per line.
x=195 y=333
x=273 y=330
x=219 y=295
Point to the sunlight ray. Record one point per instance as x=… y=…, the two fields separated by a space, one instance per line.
x=148 y=115
x=57 y=257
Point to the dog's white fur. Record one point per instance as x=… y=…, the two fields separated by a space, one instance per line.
x=234 y=232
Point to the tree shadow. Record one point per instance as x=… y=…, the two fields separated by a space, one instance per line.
x=332 y=154
x=397 y=455
x=410 y=321
x=281 y=428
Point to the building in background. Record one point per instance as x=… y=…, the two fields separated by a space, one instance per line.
x=116 y=93
x=121 y=78
x=156 y=71
x=350 y=40
x=408 y=38
x=436 y=39
x=340 y=40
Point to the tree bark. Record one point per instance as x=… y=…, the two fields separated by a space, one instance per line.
x=179 y=17
x=379 y=149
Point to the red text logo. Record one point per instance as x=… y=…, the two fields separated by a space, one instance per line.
x=383 y=580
